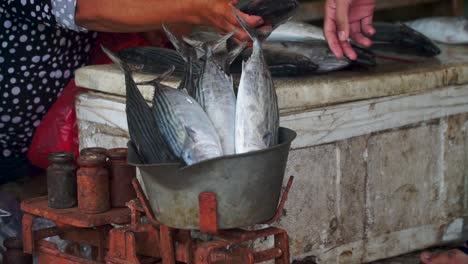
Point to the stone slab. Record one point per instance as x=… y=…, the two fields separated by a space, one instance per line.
x=389 y=78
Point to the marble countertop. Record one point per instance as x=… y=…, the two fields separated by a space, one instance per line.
x=389 y=78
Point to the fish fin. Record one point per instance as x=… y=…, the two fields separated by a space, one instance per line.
x=268 y=139
x=253 y=34
x=115 y=59
x=158 y=79
x=233 y=54
x=223 y=40
x=198 y=46
x=183 y=49
x=190 y=133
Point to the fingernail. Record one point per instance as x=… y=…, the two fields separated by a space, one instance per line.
x=342 y=35
x=371 y=31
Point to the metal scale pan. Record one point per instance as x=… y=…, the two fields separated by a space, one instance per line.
x=248 y=186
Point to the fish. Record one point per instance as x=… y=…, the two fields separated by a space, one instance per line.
x=190 y=57
x=296 y=31
x=221 y=52
x=142 y=127
x=257 y=112
x=403 y=39
x=273 y=12
x=154 y=60
x=184 y=125
x=448 y=30
x=215 y=90
x=309 y=57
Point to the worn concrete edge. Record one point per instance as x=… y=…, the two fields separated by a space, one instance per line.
x=299 y=94
x=319 y=126
x=381 y=247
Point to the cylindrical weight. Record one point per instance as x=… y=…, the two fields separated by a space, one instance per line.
x=61 y=180
x=93 y=184
x=121 y=176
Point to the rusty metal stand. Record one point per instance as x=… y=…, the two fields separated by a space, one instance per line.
x=177 y=245
x=91 y=229
x=140 y=242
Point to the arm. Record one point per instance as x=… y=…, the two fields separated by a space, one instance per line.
x=148 y=15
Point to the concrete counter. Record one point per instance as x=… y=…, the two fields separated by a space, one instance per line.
x=380 y=159
x=299 y=94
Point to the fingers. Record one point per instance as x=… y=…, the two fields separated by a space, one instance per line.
x=348 y=50
x=329 y=29
x=342 y=22
x=425 y=257
x=230 y=23
x=366 y=25
x=357 y=36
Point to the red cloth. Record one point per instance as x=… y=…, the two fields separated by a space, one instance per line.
x=58 y=130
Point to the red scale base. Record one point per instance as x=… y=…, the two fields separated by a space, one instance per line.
x=154 y=242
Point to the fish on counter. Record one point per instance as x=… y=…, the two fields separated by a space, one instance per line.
x=449 y=30
x=317 y=52
x=296 y=31
x=146 y=137
x=215 y=89
x=183 y=123
x=257 y=114
x=398 y=37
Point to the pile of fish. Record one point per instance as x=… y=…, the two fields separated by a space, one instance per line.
x=297 y=49
x=203 y=118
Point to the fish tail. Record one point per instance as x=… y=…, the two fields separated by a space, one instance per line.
x=223 y=39
x=233 y=54
x=158 y=79
x=183 y=50
x=114 y=58
x=253 y=34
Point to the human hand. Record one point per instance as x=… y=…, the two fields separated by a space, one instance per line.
x=348 y=19
x=219 y=14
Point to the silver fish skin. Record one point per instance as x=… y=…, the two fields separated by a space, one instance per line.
x=449 y=30
x=296 y=31
x=257 y=114
x=185 y=126
x=143 y=130
x=316 y=50
x=215 y=93
x=190 y=56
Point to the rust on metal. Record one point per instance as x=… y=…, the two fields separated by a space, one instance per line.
x=61 y=180
x=208 y=213
x=93 y=150
x=284 y=198
x=72 y=216
x=121 y=176
x=144 y=202
x=93 y=184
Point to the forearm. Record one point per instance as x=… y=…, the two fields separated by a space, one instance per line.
x=136 y=15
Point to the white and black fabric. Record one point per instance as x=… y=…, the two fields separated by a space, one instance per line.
x=40 y=47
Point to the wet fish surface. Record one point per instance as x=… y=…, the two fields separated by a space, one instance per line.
x=402 y=38
x=296 y=31
x=153 y=60
x=257 y=114
x=449 y=30
x=215 y=89
x=184 y=125
x=142 y=127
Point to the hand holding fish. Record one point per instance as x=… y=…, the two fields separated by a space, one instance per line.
x=147 y=16
x=348 y=19
x=222 y=18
